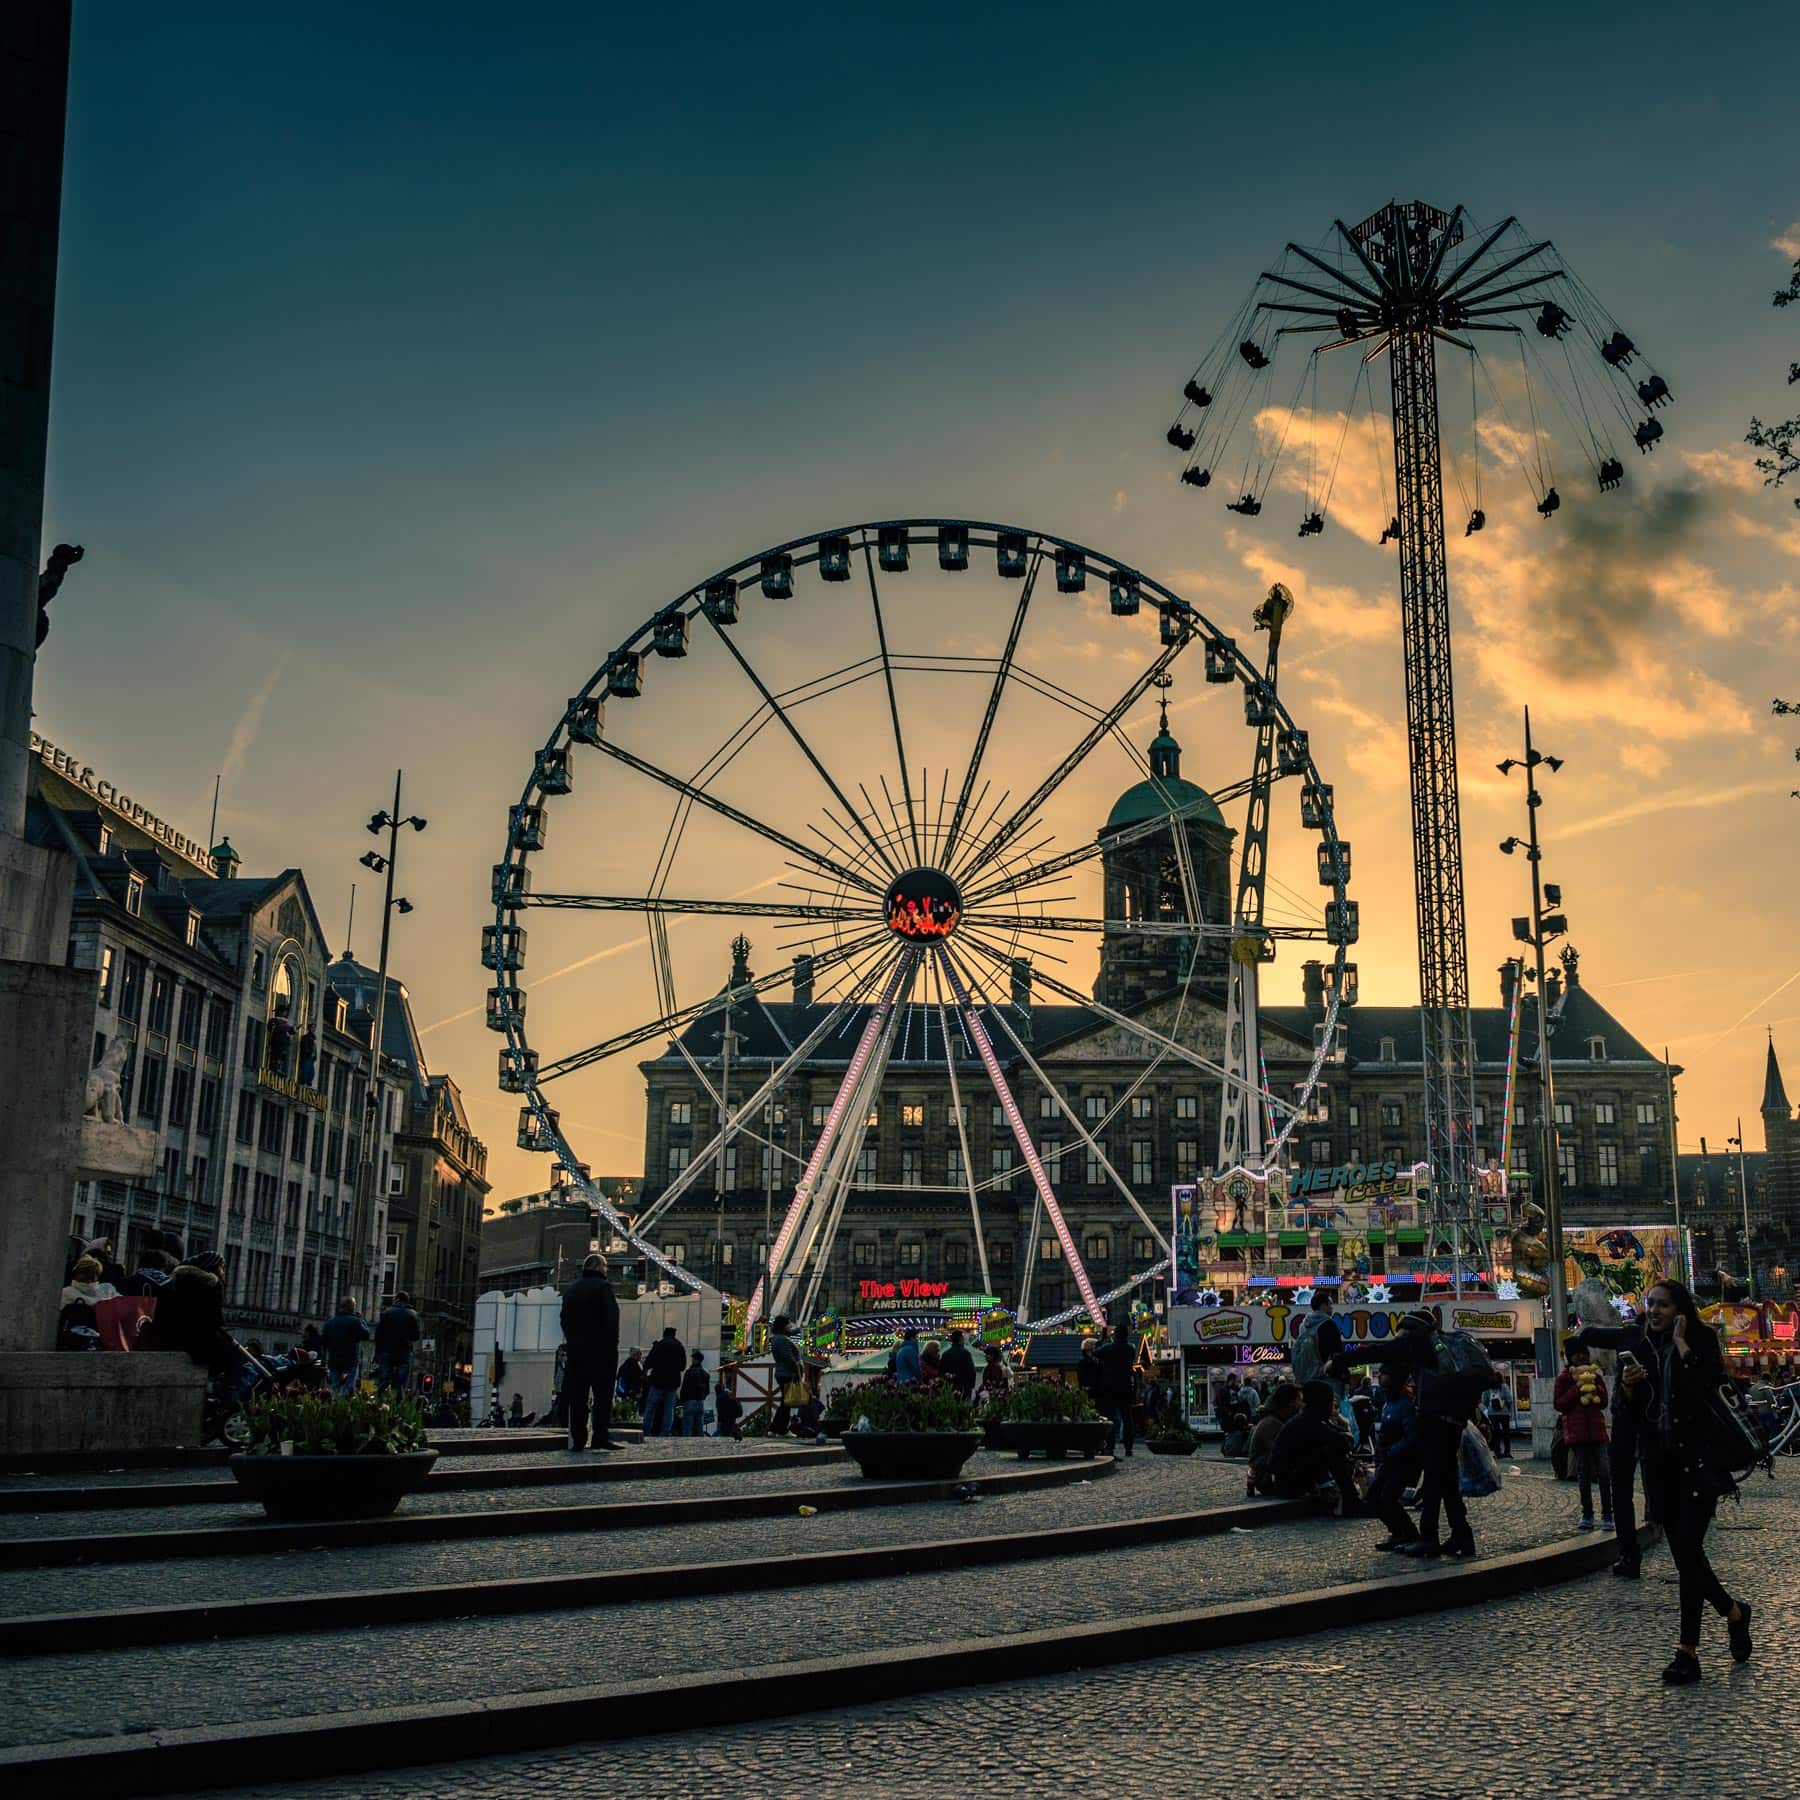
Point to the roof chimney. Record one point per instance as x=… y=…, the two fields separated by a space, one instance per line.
x=1312 y=987
x=1553 y=989
x=1509 y=977
x=803 y=979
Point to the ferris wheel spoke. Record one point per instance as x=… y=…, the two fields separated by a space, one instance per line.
x=962 y=1130
x=1016 y=1122
x=773 y=701
x=726 y=810
x=1028 y=808
x=834 y=1118
x=887 y=673
x=1124 y=1020
x=664 y=1026
x=735 y=1127
x=1094 y=1147
x=995 y=693
x=663 y=903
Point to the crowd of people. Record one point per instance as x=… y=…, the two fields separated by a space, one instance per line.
x=170 y=1301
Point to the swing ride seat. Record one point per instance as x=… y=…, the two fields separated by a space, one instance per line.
x=1197 y=477
x=1654 y=392
x=1618 y=350
x=1390 y=533
x=1647 y=434
x=1477 y=519
x=1253 y=354
x=1612 y=472
x=1552 y=321
x=1550 y=502
x=1312 y=524
x=1196 y=395
x=1181 y=437
x=1249 y=506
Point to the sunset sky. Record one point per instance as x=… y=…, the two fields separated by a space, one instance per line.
x=409 y=356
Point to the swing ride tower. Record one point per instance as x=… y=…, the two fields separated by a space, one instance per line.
x=1404 y=281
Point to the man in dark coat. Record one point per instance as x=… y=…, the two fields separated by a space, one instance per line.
x=663 y=1369
x=590 y=1323
x=396 y=1331
x=344 y=1333
x=1116 y=1384
x=190 y=1313
x=959 y=1366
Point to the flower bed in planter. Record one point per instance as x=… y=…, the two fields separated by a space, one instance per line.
x=331 y=1487
x=1058 y=1437
x=911 y=1455
x=315 y=1456
x=1050 y=1419
x=907 y=1434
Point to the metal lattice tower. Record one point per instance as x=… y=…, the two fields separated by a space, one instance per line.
x=1404 y=248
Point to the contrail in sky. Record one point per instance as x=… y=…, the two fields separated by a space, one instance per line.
x=1751 y=1011
x=243 y=734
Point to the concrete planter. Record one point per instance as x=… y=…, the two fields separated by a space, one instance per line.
x=331 y=1487
x=911 y=1455
x=1056 y=1438
x=1172 y=1447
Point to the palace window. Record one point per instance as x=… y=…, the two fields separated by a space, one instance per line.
x=956 y=1256
x=676 y=1253
x=910 y=1255
x=681 y=1112
x=865 y=1253
x=1646 y=1112
x=1568 y=1169
x=874 y=1119
x=867 y=1164
x=911 y=1169
x=1143 y=1249
x=1096 y=1248
x=1606 y=1112
x=1393 y=1115
x=953 y=1165
x=1565 y=1112
x=1048 y=1107
x=912 y=1114
x=1000 y=1253
x=1095 y=1174
x=1608 y=1169
x=1143 y=1162
x=1187 y=1106
x=1050 y=1155
x=816 y=1113
x=680 y=1155
x=1596 y=1047
x=1187 y=1158
x=1387 y=1050
x=1050 y=1249
x=1094 y=1105
x=1142 y=1106
x=1319 y=1151
x=1002 y=1159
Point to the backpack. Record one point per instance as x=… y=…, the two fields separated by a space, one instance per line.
x=1463 y=1374
x=1733 y=1441
x=1309 y=1365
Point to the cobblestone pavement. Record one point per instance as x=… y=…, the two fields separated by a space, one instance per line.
x=192 y=1684
x=549 y=1455
x=213 y=1515
x=1141 y=1487
x=1553 y=1694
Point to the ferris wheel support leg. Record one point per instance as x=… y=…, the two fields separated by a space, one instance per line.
x=803 y=1190
x=1028 y=1150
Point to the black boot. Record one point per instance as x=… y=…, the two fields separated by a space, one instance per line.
x=1422 y=1546
x=1740 y=1633
x=1684 y=1671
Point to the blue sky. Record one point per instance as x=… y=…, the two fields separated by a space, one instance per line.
x=407 y=356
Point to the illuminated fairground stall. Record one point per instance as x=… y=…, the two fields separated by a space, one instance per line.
x=1251 y=1250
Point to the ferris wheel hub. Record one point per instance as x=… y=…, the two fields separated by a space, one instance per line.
x=922 y=906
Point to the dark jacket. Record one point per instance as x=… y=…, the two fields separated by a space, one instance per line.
x=1309 y=1444
x=696 y=1384
x=631 y=1378
x=342 y=1333
x=1116 y=1362
x=959 y=1369
x=590 y=1318
x=1618 y=1337
x=664 y=1365
x=396 y=1331
x=190 y=1316
x=1671 y=1410
x=1439 y=1396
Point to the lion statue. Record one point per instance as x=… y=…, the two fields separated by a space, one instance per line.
x=103 y=1100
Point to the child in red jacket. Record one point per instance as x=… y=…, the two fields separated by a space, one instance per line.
x=1581 y=1399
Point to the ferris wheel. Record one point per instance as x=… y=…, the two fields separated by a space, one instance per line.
x=880 y=744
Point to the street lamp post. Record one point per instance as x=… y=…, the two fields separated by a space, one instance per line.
x=1539 y=931
x=390 y=822
x=1737 y=1143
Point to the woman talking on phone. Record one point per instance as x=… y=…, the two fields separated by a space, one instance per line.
x=1671 y=1386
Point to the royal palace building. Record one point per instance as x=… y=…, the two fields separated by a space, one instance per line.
x=908 y=1216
